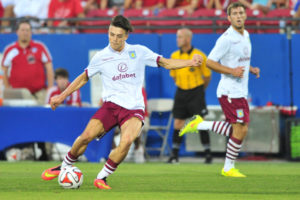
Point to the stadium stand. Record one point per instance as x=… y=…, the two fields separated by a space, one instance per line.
x=202 y=20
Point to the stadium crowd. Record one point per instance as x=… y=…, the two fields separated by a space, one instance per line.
x=41 y=10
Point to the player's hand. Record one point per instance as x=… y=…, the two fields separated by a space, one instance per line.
x=255 y=71
x=238 y=72
x=55 y=101
x=197 y=60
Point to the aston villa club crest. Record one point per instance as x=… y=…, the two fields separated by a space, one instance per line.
x=132 y=54
x=240 y=113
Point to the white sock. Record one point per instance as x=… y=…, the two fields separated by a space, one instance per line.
x=205 y=125
x=233 y=148
x=107 y=169
x=228 y=164
x=69 y=160
x=102 y=174
x=220 y=127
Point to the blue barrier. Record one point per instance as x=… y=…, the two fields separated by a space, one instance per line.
x=270 y=53
x=38 y=124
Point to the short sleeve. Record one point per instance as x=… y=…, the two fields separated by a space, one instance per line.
x=220 y=49
x=8 y=56
x=173 y=71
x=94 y=66
x=46 y=56
x=150 y=58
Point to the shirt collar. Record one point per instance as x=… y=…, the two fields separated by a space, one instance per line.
x=119 y=52
x=236 y=32
x=188 y=52
x=29 y=45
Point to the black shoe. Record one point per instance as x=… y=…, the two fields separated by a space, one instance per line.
x=173 y=160
x=208 y=159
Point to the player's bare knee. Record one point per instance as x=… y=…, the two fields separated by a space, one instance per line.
x=127 y=142
x=87 y=137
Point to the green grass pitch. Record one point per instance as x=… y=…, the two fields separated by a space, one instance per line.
x=266 y=180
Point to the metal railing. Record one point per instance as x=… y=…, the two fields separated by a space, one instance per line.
x=148 y=24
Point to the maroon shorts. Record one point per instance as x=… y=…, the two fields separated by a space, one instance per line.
x=235 y=110
x=111 y=114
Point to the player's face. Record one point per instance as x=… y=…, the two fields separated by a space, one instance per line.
x=24 y=32
x=237 y=17
x=62 y=82
x=182 y=38
x=117 y=37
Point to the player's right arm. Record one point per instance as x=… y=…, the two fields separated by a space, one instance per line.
x=220 y=50
x=80 y=81
x=217 y=67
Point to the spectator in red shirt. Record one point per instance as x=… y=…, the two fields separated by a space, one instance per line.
x=28 y=64
x=89 y=5
x=150 y=4
x=216 y=4
x=8 y=7
x=189 y=5
x=62 y=82
x=64 y=9
x=115 y=4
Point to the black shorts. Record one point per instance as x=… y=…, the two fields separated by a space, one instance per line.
x=189 y=102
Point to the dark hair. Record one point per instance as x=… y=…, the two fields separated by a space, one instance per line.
x=122 y=22
x=61 y=72
x=23 y=21
x=234 y=5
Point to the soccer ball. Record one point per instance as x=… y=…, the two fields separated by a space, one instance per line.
x=70 y=178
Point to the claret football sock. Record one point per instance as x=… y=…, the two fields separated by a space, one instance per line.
x=233 y=148
x=69 y=160
x=109 y=168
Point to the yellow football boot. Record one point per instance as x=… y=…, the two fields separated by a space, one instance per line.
x=191 y=125
x=233 y=172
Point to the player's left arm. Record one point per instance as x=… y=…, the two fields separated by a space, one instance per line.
x=49 y=74
x=255 y=71
x=179 y=63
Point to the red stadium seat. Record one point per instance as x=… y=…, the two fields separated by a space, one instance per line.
x=105 y=14
x=207 y=13
x=102 y=13
x=204 y=16
x=280 y=13
x=223 y=23
x=138 y=13
x=172 y=13
x=277 y=13
x=252 y=23
x=211 y=13
x=177 y=15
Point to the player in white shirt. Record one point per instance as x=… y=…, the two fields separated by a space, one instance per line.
x=230 y=57
x=122 y=67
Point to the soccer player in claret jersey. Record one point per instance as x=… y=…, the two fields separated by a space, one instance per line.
x=122 y=67
x=233 y=50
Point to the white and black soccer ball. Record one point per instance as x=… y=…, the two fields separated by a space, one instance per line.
x=70 y=178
